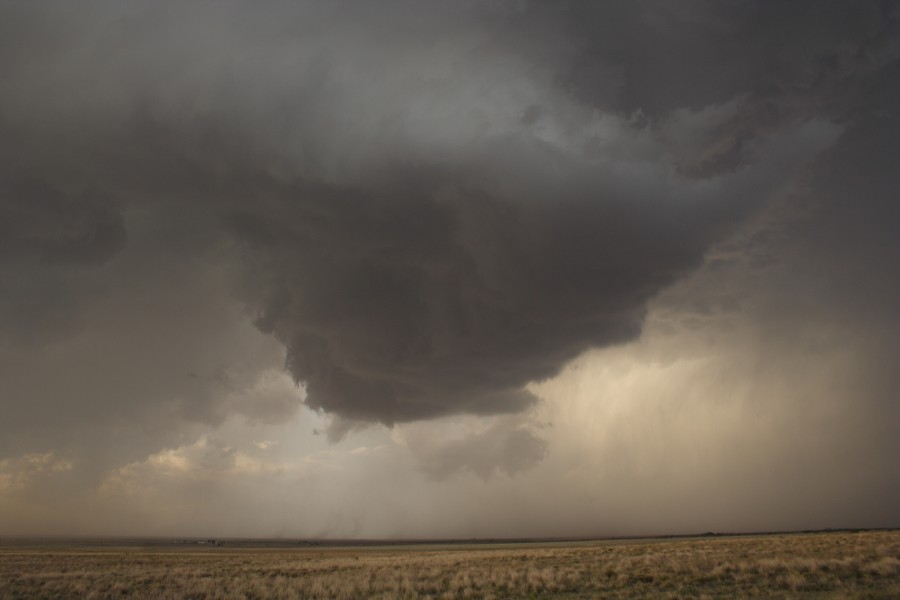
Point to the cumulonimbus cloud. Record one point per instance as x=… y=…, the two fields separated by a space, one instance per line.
x=427 y=206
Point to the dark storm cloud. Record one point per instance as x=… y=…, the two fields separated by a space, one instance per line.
x=429 y=205
x=708 y=52
x=435 y=296
x=40 y=223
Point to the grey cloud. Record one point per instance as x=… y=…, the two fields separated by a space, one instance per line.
x=497 y=450
x=771 y=62
x=108 y=362
x=421 y=202
x=46 y=237
x=817 y=54
x=506 y=445
x=40 y=223
x=433 y=297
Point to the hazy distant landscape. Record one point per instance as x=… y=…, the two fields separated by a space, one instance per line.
x=812 y=565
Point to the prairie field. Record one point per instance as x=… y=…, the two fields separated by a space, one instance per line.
x=816 y=565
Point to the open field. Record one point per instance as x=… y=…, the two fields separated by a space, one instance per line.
x=819 y=565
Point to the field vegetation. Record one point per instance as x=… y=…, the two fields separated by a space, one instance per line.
x=820 y=565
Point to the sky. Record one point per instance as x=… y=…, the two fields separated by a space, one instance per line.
x=421 y=269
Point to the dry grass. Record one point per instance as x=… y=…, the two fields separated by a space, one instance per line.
x=823 y=565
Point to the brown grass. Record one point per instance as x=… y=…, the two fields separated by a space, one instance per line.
x=822 y=565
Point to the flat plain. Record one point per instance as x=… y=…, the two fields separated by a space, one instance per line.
x=814 y=565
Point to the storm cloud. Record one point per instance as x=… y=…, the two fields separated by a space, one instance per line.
x=420 y=209
x=427 y=224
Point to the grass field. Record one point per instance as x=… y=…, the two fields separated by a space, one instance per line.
x=819 y=565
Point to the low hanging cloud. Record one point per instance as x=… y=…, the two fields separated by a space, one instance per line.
x=507 y=446
x=429 y=206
